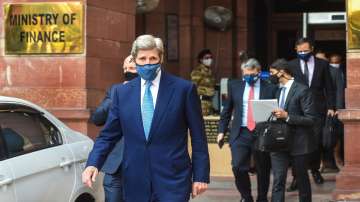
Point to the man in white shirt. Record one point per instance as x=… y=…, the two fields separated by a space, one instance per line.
x=296 y=108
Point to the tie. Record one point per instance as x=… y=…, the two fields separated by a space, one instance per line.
x=250 y=115
x=306 y=73
x=282 y=100
x=147 y=109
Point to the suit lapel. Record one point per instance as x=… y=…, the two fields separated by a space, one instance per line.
x=165 y=93
x=277 y=95
x=316 y=71
x=262 y=89
x=136 y=107
x=290 y=94
x=241 y=95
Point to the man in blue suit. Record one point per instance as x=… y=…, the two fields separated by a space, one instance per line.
x=112 y=180
x=154 y=117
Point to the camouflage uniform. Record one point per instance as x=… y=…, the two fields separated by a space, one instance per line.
x=205 y=82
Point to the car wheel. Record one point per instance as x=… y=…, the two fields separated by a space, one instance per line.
x=85 y=198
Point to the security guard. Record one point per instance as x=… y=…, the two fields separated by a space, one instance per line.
x=205 y=81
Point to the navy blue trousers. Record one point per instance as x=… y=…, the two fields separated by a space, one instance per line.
x=113 y=187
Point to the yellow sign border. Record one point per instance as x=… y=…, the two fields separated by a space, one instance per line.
x=49 y=48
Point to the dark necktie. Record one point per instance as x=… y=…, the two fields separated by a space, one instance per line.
x=306 y=73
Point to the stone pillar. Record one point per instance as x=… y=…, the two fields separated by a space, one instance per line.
x=243 y=28
x=197 y=31
x=185 y=38
x=70 y=85
x=348 y=180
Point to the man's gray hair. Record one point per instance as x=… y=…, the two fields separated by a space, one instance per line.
x=251 y=63
x=147 y=42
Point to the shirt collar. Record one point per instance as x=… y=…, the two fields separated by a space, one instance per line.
x=155 y=82
x=311 y=60
x=289 y=84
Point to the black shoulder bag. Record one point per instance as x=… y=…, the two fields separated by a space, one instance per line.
x=273 y=135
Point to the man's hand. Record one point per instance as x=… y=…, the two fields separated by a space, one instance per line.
x=330 y=112
x=220 y=137
x=89 y=175
x=280 y=114
x=198 y=188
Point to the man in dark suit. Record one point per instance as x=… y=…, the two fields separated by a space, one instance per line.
x=154 y=113
x=338 y=79
x=242 y=138
x=296 y=108
x=112 y=180
x=314 y=73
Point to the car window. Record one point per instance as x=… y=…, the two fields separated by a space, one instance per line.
x=23 y=131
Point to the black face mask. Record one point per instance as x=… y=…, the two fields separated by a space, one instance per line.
x=274 y=79
x=130 y=76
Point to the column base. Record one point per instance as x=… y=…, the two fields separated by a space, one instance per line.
x=348 y=184
x=348 y=180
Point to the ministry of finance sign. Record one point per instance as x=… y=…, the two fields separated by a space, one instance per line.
x=44 y=28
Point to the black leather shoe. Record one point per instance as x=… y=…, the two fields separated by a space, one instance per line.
x=246 y=200
x=318 y=179
x=293 y=186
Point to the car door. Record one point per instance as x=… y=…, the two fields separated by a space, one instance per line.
x=41 y=162
x=7 y=192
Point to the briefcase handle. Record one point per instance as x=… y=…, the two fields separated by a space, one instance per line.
x=271 y=118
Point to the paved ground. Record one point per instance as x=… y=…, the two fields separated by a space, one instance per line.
x=222 y=189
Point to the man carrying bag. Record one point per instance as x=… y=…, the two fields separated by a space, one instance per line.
x=296 y=108
x=273 y=135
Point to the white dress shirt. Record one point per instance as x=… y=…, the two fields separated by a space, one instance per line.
x=154 y=88
x=246 y=100
x=311 y=67
x=287 y=86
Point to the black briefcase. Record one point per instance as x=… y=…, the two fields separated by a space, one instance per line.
x=273 y=135
x=329 y=137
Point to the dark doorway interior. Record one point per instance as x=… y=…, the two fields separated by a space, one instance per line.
x=260 y=29
x=285 y=44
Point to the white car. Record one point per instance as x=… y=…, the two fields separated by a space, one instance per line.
x=41 y=159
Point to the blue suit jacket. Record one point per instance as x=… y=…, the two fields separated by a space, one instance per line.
x=161 y=165
x=114 y=159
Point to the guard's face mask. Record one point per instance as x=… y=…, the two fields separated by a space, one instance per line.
x=207 y=62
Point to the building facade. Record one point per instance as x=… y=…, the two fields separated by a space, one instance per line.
x=71 y=85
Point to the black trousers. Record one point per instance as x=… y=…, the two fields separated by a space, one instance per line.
x=280 y=162
x=263 y=167
x=241 y=151
x=315 y=159
x=241 y=156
